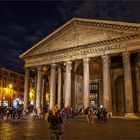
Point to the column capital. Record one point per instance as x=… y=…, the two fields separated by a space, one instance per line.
x=105 y=58
x=68 y=65
x=34 y=70
x=125 y=56
x=86 y=60
x=39 y=68
x=59 y=69
x=26 y=68
x=53 y=65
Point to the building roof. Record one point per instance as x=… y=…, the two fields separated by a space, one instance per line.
x=128 y=27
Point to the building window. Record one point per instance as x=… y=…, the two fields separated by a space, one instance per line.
x=11 y=74
x=5 y=72
x=94 y=87
x=4 y=85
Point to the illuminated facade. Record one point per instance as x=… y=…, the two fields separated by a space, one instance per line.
x=88 y=62
x=11 y=86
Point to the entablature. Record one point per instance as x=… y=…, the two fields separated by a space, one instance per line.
x=119 y=45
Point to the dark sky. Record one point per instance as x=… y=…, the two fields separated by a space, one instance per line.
x=22 y=24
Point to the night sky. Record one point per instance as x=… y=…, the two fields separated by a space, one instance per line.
x=22 y=24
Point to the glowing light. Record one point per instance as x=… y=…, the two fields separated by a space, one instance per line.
x=101 y=106
x=17 y=102
x=6 y=90
x=32 y=102
x=47 y=96
x=10 y=86
x=31 y=94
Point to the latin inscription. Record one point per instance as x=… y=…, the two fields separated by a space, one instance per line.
x=72 y=54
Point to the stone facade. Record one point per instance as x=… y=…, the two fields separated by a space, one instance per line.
x=95 y=56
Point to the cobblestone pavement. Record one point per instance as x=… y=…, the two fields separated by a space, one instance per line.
x=31 y=129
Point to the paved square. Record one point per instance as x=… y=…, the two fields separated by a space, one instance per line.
x=31 y=129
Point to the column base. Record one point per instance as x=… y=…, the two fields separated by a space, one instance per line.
x=127 y=116
x=131 y=116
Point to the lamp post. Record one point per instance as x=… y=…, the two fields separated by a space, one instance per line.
x=10 y=87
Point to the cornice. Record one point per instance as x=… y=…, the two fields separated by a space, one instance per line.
x=86 y=46
x=74 y=55
x=80 y=21
x=96 y=51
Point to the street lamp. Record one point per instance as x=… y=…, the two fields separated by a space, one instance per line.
x=10 y=87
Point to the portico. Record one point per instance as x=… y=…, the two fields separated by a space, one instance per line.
x=84 y=53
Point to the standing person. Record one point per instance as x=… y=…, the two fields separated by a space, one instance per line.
x=105 y=115
x=86 y=111
x=9 y=113
x=46 y=113
x=91 y=116
x=13 y=113
x=19 y=112
x=67 y=112
x=55 y=120
x=35 y=113
x=1 y=112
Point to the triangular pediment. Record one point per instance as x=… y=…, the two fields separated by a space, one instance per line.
x=79 y=32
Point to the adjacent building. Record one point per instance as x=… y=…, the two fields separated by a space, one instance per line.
x=87 y=62
x=11 y=86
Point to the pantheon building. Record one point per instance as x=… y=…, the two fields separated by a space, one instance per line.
x=87 y=62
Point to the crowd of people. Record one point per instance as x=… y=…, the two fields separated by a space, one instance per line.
x=11 y=113
x=56 y=117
